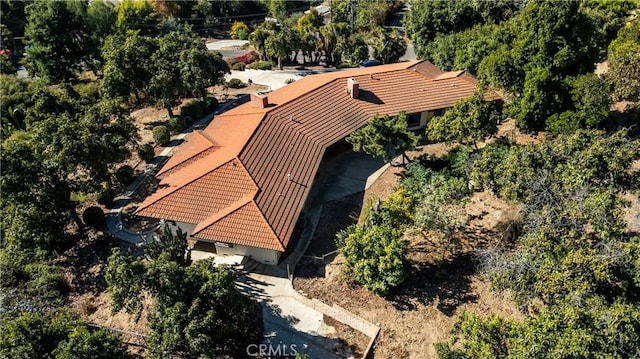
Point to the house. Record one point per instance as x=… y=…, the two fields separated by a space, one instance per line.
x=240 y=184
x=324 y=11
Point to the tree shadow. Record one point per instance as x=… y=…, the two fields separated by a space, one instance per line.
x=281 y=334
x=447 y=284
x=87 y=262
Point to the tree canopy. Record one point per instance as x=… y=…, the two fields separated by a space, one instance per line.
x=386 y=137
x=624 y=63
x=57 y=36
x=198 y=312
x=58 y=335
x=574 y=266
x=469 y=120
x=164 y=69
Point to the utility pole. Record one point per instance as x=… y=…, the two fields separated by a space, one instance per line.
x=351 y=6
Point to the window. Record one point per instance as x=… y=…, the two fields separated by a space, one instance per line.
x=413 y=120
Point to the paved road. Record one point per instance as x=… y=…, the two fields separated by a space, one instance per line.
x=228 y=48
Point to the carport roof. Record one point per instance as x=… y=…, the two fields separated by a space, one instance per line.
x=245 y=178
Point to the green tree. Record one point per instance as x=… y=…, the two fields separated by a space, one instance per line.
x=127 y=65
x=544 y=95
x=137 y=15
x=426 y=19
x=258 y=40
x=591 y=104
x=374 y=256
x=310 y=22
x=16 y=94
x=281 y=44
x=440 y=209
x=624 y=63
x=100 y=18
x=469 y=120
x=388 y=47
x=465 y=50
x=85 y=344
x=58 y=334
x=6 y=65
x=608 y=17
x=182 y=66
x=386 y=137
x=57 y=36
x=68 y=147
x=353 y=48
x=557 y=35
x=199 y=312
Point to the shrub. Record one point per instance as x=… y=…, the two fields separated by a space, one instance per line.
x=6 y=66
x=177 y=123
x=124 y=175
x=239 y=30
x=93 y=216
x=211 y=103
x=289 y=81
x=161 y=135
x=192 y=109
x=238 y=66
x=106 y=196
x=235 y=83
x=89 y=90
x=146 y=153
x=247 y=58
x=261 y=65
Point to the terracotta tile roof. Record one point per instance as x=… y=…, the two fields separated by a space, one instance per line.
x=196 y=200
x=279 y=149
x=243 y=226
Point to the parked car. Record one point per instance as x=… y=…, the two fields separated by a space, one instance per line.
x=370 y=62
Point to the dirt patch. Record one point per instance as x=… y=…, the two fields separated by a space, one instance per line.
x=354 y=341
x=84 y=272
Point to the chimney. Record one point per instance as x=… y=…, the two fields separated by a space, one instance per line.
x=259 y=100
x=353 y=87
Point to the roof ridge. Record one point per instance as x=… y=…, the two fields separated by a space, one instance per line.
x=268 y=225
x=165 y=169
x=332 y=77
x=170 y=191
x=208 y=138
x=212 y=219
x=243 y=202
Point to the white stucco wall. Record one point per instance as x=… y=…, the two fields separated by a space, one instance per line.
x=186 y=227
x=265 y=256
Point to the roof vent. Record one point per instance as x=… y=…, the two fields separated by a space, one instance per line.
x=353 y=87
x=259 y=100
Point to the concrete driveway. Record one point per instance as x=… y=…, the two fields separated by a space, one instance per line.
x=273 y=79
x=290 y=325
